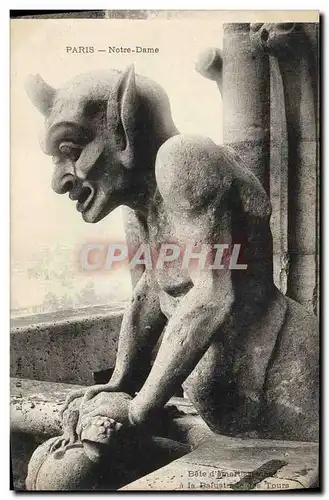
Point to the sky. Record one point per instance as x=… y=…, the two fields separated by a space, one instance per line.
x=46 y=230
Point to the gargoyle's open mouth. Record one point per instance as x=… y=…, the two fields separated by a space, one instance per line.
x=83 y=196
x=85 y=199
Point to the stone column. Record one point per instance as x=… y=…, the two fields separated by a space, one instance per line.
x=242 y=74
x=246 y=99
x=302 y=140
x=295 y=47
x=279 y=179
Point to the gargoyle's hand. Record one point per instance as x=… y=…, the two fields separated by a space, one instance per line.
x=100 y=420
x=154 y=421
x=111 y=405
x=89 y=392
x=69 y=436
x=79 y=393
x=94 y=390
x=96 y=433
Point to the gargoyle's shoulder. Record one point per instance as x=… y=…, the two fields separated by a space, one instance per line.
x=189 y=171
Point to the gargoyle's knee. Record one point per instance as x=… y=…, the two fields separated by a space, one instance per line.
x=52 y=471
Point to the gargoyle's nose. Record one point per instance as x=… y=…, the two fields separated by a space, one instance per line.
x=63 y=184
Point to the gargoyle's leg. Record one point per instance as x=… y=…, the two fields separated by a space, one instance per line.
x=142 y=325
x=291 y=409
x=189 y=333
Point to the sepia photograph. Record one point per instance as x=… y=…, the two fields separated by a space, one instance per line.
x=165 y=250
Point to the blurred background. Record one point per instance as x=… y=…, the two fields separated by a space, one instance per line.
x=46 y=230
x=47 y=233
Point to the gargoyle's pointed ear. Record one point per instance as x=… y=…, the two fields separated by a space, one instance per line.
x=41 y=94
x=121 y=111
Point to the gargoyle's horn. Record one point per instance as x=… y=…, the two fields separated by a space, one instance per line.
x=210 y=65
x=40 y=93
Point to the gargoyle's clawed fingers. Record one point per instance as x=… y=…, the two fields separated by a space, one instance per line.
x=62 y=442
x=95 y=390
x=98 y=428
x=71 y=397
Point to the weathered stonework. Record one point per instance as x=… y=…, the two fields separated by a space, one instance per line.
x=246 y=355
x=217 y=460
x=50 y=347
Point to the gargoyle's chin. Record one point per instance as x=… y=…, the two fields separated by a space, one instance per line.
x=97 y=211
x=91 y=219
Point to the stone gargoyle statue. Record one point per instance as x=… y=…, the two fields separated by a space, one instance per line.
x=245 y=354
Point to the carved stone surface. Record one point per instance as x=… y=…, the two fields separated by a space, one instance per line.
x=217 y=460
x=246 y=354
x=49 y=347
x=35 y=417
x=233 y=464
x=295 y=47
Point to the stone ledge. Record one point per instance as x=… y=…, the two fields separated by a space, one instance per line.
x=217 y=463
x=67 y=346
x=35 y=406
x=35 y=417
x=231 y=464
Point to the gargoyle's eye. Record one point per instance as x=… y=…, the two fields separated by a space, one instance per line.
x=70 y=150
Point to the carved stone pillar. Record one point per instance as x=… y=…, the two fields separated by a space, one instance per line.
x=256 y=60
x=242 y=74
x=279 y=179
x=295 y=47
x=246 y=99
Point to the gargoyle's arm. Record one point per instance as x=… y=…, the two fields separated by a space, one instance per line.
x=141 y=327
x=194 y=177
x=200 y=315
